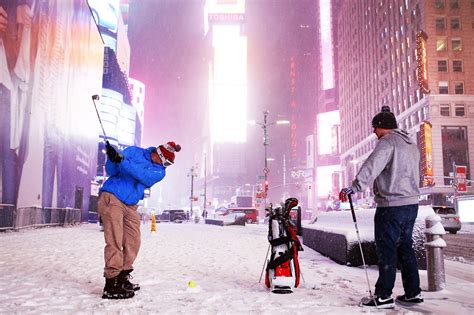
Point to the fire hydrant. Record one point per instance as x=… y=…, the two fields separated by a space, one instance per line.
x=153 y=223
x=434 y=253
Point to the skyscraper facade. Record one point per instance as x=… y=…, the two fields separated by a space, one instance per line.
x=416 y=57
x=285 y=79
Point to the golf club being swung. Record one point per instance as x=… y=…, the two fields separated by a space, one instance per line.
x=94 y=98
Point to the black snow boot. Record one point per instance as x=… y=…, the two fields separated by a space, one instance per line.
x=115 y=289
x=126 y=276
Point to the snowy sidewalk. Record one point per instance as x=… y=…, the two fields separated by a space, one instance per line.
x=59 y=270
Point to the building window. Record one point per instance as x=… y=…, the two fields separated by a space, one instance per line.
x=457 y=65
x=441 y=44
x=440 y=23
x=455 y=149
x=455 y=23
x=454 y=4
x=439 y=4
x=458 y=88
x=442 y=66
x=456 y=43
x=443 y=87
x=444 y=110
x=460 y=110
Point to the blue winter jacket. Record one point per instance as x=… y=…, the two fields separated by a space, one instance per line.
x=129 y=178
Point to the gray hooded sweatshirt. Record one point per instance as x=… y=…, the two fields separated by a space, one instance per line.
x=393 y=166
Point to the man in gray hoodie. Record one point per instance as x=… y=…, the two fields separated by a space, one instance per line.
x=393 y=167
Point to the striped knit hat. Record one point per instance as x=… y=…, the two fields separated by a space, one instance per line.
x=167 y=150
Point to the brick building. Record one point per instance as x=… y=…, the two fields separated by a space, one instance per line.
x=418 y=58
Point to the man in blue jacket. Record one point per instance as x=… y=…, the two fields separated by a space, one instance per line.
x=130 y=174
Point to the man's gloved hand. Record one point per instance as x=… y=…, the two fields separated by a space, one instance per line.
x=112 y=154
x=344 y=194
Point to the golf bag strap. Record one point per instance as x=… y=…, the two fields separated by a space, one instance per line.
x=272 y=264
x=294 y=238
x=280 y=241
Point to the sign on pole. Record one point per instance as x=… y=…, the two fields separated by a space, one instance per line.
x=461 y=174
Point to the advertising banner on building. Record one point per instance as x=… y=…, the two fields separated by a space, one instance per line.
x=422 y=61
x=48 y=124
x=426 y=154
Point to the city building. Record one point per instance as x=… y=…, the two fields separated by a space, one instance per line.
x=121 y=114
x=416 y=57
x=285 y=79
x=227 y=100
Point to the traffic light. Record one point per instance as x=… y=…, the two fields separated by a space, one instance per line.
x=266 y=185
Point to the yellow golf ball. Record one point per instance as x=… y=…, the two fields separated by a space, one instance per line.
x=191 y=284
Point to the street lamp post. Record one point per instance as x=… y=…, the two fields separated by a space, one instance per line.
x=266 y=170
x=191 y=198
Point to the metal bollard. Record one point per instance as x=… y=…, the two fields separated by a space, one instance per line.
x=434 y=253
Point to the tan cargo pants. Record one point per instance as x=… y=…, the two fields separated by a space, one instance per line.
x=121 y=232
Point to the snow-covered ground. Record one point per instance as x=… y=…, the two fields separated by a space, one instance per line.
x=59 y=270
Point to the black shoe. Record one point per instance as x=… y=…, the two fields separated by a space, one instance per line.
x=114 y=289
x=402 y=299
x=126 y=276
x=377 y=302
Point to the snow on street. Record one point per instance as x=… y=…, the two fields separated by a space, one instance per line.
x=59 y=270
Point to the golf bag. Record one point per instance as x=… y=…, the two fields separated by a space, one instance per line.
x=283 y=269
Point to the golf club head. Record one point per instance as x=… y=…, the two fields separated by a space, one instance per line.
x=95 y=97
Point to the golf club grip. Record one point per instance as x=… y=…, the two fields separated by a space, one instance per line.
x=98 y=116
x=352 y=208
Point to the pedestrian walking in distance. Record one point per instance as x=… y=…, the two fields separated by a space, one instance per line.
x=131 y=172
x=393 y=167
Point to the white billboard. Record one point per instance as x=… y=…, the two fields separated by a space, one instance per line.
x=326 y=122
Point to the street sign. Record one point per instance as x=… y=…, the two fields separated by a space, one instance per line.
x=260 y=177
x=266 y=170
x=461 y=172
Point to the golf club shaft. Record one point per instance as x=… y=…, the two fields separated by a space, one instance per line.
x=360 y=243
x=264 y=263
x=98 y=116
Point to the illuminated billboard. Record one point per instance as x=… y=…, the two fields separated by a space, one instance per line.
x=228 y=101
x=324 y=179
x=223 y=12
x=138 y=97
x=426 y=154
x=326 y=124
x=106 y=14
x=422 y=62
x=48 y=123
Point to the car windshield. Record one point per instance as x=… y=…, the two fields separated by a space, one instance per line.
x=445 y=210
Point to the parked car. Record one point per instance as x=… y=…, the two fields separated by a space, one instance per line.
x=250 y=213
x=176 y=216
x=449 y=218
x=221 y=211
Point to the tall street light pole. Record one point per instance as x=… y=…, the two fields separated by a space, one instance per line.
x=266 y=142
x=204 y=211
x=191 y=198
x=266 y=170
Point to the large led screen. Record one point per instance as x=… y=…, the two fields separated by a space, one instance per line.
x=228 y=105
x=51 y=61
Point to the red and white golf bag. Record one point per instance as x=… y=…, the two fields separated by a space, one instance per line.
x=283 y=269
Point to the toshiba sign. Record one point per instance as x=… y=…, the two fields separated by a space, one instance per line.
x=226 y=17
